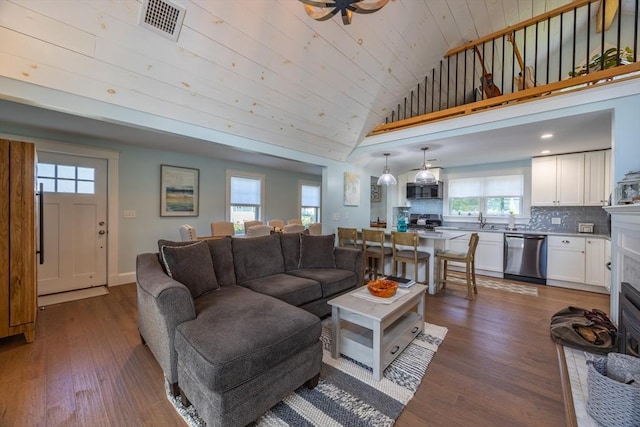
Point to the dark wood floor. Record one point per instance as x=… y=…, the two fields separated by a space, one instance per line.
x=496 y=367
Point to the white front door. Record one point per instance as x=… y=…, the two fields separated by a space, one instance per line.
x=74 y=222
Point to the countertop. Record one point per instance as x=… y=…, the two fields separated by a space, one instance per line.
x=520 y=231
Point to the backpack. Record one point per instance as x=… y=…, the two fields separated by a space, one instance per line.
x=588 y=330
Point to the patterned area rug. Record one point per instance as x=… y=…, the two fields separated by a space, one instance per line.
x=499 y=284
x=347 y=394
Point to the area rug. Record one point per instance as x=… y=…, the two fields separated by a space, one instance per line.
x=499 y=284
x=347 y=394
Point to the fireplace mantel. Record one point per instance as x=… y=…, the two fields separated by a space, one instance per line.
x=625 y=250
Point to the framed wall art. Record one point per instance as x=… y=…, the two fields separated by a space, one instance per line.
x=351 y=189
x=179 y=191
x=376 y=193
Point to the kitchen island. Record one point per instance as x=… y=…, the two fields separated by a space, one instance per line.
x=430 y=242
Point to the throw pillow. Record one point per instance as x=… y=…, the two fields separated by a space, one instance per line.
x=190 y=265
x=317 y=251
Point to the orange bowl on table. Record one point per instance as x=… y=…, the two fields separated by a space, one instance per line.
x=382 y=288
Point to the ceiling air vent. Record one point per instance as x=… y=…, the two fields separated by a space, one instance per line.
x=162 y=17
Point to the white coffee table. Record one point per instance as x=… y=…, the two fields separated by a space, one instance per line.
x=374 y=331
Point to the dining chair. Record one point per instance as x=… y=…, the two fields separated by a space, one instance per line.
x=259 y=230
x=405 y=251
x=315 y=229
x=294 y=221
x=222 y=228
x=293 y=228
x=374 y=252
x=348 y=238
x=248 y=224
x=187 y=233
x=469 y=260
x=276 y=223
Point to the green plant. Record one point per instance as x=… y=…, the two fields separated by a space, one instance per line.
x=605 y=60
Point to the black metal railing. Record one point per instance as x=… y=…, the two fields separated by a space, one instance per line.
x=552 y=47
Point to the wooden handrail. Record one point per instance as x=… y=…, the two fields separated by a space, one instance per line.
x=542 y=17
x=527 y=94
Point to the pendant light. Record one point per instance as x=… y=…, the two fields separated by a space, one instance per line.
x=386 y=178
x=424 y=175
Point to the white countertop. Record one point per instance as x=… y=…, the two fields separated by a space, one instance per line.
x=519 y=231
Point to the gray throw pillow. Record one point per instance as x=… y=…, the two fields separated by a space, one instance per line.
x=190 y=265
x=317 y=251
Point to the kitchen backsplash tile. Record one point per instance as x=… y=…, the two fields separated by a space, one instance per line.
x=426 y=206
x=570 y=216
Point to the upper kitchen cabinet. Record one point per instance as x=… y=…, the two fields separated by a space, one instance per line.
x=558 y=180
x=597 y=178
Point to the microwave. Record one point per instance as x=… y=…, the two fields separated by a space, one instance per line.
x=424 y=191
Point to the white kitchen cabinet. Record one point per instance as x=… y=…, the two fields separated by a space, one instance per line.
x=557 y=180
x=566 y=258
x=597 y=177
x=461 y=244
x=490 y=250
x=402 y=188
x=595 y=262
x=489 y=253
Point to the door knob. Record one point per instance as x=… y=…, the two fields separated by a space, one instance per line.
x=101 y=232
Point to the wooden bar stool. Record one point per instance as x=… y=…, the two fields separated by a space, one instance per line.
x=469 y=260
x=374 y=252
x=405 y=251
x=348 y=238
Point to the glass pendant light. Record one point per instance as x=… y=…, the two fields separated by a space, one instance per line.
x=424 y=175
x=386 y=178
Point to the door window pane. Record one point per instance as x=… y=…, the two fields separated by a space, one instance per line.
x=66 y=179
x=46 y=170
x=48 y=185
x=86 y=187
x=66 y=186
x=66 y=172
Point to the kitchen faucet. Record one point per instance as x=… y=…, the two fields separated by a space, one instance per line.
x=483 y=220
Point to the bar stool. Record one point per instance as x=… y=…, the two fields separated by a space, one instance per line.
x=468 y=258
x=405 y=251
x=348 y=238
x=374 y=251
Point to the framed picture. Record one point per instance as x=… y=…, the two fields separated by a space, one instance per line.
x=351 y=189
x=376 y=193
x=179 y=191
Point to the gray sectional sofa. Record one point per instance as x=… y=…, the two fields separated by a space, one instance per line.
x=235 y=322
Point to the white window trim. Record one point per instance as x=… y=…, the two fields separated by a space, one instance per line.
x=526 y=194
x=244 y=174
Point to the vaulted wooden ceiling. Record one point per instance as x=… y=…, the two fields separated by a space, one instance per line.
x=257 y=69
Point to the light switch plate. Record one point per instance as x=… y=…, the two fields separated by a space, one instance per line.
x=129 y=214
x=556 y=221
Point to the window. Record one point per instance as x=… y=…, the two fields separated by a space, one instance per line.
x=245 y=195
x=309 y=203
x=491 y=195
x=66 y=179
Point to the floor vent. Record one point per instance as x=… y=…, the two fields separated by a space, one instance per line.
x=162 y=17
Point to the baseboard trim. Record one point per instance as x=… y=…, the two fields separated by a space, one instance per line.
x=62 y=297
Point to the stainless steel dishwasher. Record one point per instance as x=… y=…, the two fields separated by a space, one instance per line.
x=525 y=257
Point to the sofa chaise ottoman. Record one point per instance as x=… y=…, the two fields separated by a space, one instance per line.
x=234 y=322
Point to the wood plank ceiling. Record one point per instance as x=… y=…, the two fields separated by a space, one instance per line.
x=259 y=69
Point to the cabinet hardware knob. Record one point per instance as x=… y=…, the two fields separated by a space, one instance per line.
x=414 y=330
x=395 y=349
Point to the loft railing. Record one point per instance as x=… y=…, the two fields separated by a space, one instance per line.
x=573 y=47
